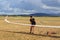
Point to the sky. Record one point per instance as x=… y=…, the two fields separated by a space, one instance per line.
x=29 y=6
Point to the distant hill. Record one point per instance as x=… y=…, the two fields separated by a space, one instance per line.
x=34 y=14
x=41 y=14
x=44 y=14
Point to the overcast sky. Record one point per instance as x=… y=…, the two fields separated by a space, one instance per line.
x=29 y=6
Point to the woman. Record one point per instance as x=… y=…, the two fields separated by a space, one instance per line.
x=33 y=23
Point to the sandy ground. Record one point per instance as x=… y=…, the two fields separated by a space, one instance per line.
x=18 y=32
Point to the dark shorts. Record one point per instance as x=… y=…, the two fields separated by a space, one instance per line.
x=33 y=23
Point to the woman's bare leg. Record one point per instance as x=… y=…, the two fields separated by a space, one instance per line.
x=32 y=29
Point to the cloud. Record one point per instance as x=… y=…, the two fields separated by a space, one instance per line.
x=27 y=6
x=50 y=7
x=40 y=4
x=54 y=9
x=7 y=6
x=58 y=1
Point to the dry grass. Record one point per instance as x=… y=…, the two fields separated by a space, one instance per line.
x=19 y=32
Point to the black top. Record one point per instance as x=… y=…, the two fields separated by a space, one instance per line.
x=32 y=20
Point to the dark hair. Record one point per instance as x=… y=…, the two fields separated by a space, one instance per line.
x=30 y=16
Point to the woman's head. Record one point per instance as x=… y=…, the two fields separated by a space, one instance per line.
x=31 y=16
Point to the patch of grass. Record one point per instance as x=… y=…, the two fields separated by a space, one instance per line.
x=54 y=21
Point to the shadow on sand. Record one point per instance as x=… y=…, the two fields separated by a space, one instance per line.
x=31 y=34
